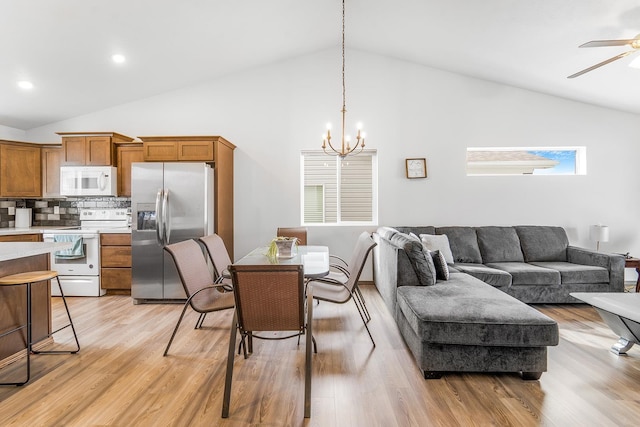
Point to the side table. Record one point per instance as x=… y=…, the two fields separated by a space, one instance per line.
x=634 y=263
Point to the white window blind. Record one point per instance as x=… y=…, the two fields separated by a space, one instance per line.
x=339 y=191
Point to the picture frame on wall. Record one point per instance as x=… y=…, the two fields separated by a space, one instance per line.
x=416 y=168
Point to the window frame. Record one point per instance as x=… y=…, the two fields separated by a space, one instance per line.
x=374 y=189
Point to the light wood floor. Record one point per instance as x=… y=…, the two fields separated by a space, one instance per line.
x=120 y=378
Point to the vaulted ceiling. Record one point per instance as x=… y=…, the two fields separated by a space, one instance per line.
x=64 y=46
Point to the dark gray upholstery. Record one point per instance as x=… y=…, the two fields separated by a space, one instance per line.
x=527 y=274
x=472 y=322
x=541 y=243
x=421 y=262
x=468 y=312
x=463 y=242
x=492 y=276
x=576 y=273
x=499 y=244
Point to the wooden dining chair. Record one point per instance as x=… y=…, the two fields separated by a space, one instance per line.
x=269 y=298
x=299 y=233
x=203 y=295
x=341 y=286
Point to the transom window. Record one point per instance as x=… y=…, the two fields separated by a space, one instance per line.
x=526 y=161
x=339 y=191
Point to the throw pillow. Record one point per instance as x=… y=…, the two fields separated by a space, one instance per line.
x=442 y=269
x=438 y=242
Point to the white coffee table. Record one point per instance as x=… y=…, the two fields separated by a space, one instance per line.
x=620 y=311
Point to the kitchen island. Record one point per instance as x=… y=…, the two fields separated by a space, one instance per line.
x=20 y=257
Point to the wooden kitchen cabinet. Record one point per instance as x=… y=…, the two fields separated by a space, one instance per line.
x=125 y=155
x=20 y=170
x=115 y=262
x=214 y=149
x=90 y=149
x=33 y=237
x=51 y=162
x=179 y=148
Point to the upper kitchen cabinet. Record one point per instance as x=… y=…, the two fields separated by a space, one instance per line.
x=213 y=149
x=20 y=174
x=182 y=148
x=51 y=161
x=125 y=155
x=90 y=148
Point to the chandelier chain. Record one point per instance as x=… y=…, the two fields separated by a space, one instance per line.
x=344 y=91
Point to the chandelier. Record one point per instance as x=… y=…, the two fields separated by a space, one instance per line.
x=345 y=148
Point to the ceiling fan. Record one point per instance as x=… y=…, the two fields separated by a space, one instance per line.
x=634 y=43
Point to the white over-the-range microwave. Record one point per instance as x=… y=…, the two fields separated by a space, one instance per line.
x=88 y=181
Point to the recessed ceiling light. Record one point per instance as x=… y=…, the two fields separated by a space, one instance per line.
x=118 y=59
x=24 y=84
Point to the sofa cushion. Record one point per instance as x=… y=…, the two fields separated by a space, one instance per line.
x=438 y=243
x=528 y=274
x=417 y=230
x=543 y=243
x=442 y=269
x=499 y=244
x=466 y=311
x=577 y=273
x=492 y=276
x=419 y=258
x=463 y=242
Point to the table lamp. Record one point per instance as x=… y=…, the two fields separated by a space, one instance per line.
x=599 y=233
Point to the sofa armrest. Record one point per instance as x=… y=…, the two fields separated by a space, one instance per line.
x=612 y=262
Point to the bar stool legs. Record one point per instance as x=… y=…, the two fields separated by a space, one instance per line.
x=27 y=279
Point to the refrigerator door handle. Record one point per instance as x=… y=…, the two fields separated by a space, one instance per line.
x=159 y=234
x=166 y=217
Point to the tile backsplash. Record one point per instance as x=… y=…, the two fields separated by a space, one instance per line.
x=58 y=212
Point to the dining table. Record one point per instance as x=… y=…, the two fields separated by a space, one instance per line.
x=314 y=259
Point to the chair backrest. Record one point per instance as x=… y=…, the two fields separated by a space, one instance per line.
x=194 y=273
x=298 y=232
x=364 y=245
x=269 y=297
x=217 y=253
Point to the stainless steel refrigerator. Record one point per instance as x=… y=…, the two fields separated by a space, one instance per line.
x=170 y=202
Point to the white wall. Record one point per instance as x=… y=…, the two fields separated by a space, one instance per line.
x=408 y=110
x=12 y=134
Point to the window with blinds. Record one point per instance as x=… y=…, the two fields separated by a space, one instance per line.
x=339 y=191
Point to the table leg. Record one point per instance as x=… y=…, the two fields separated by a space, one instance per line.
x=638 y=282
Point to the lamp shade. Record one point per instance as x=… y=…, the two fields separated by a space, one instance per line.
x=599 y=233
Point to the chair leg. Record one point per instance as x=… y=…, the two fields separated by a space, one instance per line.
x=364 y=321
x=230 y=356
x=75 y=336
x=363 y=303
x=200 y=320
x=166 y=350
x=310 y=339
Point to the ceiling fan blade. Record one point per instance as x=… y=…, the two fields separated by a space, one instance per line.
x=601 y=43
x=608 y=61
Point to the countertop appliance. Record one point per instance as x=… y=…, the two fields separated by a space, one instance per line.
x=170 y=202
x=80 y=276
x=88 y=181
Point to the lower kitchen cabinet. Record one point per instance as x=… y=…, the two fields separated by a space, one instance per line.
x=115 y=262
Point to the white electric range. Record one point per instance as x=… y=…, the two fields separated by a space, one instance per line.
x=80 y=275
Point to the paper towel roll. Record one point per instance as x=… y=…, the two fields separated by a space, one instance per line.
x=23 y=217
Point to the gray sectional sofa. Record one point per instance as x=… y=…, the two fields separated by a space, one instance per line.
x=472 y=322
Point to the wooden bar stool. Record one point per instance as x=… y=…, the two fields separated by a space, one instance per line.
x=27 y=279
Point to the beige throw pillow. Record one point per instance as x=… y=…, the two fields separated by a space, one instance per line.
x=438 y=242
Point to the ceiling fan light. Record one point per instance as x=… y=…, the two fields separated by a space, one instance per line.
x=635 y=63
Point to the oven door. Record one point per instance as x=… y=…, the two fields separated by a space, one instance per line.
x=88 y=265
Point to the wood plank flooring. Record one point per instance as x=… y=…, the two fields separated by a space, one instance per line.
x=120 y=378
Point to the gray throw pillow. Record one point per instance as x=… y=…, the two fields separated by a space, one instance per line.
x=439 y=242
x=419 y=259
x=442 y=269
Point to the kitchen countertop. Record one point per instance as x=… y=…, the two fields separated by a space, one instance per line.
x=15 y=250
x=42 y=228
